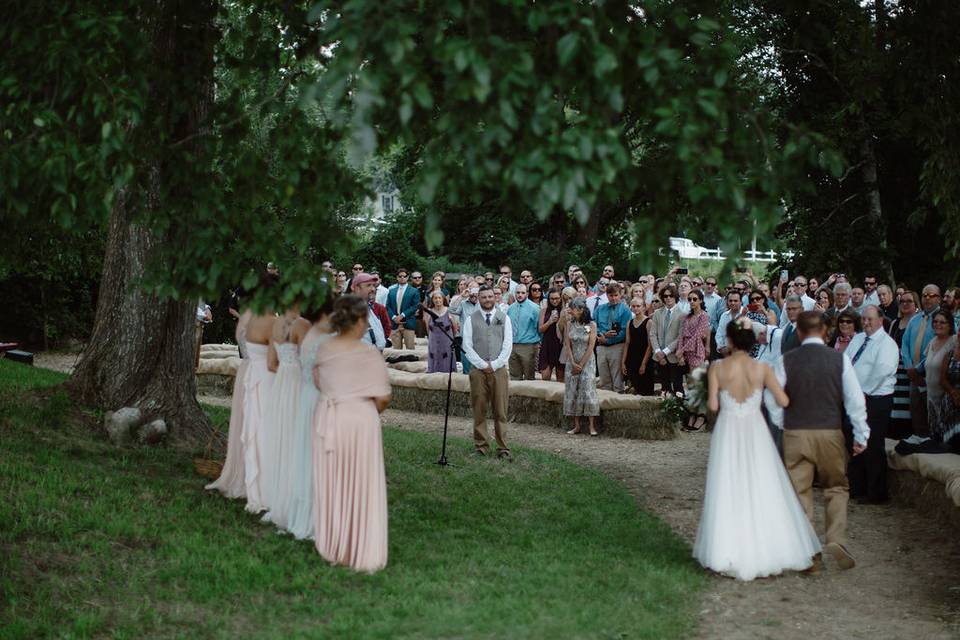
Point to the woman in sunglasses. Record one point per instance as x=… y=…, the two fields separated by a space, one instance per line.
x=848 y=325
x=535 y=294
x=901 y=422
x=758 y=311
x=938 y=356
x=693 y=347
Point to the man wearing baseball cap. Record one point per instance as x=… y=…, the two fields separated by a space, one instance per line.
x=365 y=286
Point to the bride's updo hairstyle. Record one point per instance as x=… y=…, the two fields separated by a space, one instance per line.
x=347 y=311
x=740 y=334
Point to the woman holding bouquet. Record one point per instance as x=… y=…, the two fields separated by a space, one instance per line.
x=693 y=347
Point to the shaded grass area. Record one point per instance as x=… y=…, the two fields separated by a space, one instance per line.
x=103 y=542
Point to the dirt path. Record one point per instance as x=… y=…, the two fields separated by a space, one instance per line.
x=906 y=583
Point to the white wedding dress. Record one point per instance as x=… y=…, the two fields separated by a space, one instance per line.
x=752 y=525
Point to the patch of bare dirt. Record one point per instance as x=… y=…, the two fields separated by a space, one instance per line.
x=906 y=583
x=61 y=361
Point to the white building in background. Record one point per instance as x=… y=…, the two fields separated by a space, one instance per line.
x=375 y=211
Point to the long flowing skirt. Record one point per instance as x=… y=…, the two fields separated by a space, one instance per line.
x=278 y=448
x=295 y=511
x=752 y=525
x=231 y=482
x=256 y=390
x=351 y=489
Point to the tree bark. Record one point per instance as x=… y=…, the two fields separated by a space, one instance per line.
x=141 y=350
x=874 y=209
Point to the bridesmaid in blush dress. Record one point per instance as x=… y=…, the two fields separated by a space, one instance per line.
x=350 y=490
x=231 y=482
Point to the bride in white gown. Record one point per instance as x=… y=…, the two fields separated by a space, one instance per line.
x=752 y=525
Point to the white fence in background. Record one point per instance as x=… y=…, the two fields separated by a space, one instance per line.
x=687 y=249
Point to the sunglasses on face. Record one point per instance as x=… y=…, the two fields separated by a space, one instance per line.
x=931 y=295
x=418 y=277
x=940 y=322
x=358 y=268
x=341 y=275
x=845 y=322
x=534 y=288
x=693 y=299
x=666 y=295
x=756 y=299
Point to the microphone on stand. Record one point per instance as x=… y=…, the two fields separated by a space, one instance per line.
x=431 y=313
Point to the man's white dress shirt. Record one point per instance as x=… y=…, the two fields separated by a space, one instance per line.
x=876 y=362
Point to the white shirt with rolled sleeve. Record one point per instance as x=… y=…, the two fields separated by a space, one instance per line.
x=876 y=367
x=475 y=360
x=853 y=400
x=721 y=337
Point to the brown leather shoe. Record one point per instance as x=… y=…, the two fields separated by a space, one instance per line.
x=840 y=554
x=815 y=568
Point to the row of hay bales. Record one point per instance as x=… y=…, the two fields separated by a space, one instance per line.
x=531 y=401
x=927 y=481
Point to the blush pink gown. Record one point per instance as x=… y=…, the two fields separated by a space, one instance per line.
x=350 y=496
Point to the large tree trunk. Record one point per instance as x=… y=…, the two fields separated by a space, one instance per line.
x=141 y=351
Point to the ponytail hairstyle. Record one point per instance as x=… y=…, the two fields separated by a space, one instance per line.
x=347 y=311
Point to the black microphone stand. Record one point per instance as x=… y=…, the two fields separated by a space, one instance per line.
x=455 y=343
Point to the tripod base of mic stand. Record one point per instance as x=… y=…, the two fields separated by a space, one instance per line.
x=442 y=461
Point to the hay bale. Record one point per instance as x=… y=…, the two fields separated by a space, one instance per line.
x=210 y=348
x=219 y=366
x=909 y=488
x=420 y=366
x=419 y=352
x=212 y=384
x=426 y=393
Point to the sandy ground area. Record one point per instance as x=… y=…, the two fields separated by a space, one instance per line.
x=906 y=583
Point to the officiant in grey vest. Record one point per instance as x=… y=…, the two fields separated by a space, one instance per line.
x=822 y=385
x=487 y=343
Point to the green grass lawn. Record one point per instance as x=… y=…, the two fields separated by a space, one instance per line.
x=125 y=543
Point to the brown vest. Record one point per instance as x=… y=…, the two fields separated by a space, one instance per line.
x=815 y=388
x=487 y=340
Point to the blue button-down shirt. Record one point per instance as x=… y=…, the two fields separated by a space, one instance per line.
x=525 y=318
x=714 y=306
x=607 y=316
x=909 y=337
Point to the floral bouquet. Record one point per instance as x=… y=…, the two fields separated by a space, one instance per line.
x=696 y=398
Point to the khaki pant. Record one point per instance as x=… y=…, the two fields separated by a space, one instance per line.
x=492 y=388
x=823 y=451
x=608 y=367
x=402 y=337
x=523 y=361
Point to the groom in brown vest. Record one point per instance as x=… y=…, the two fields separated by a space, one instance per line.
x=822 y=385
x=487 y=343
